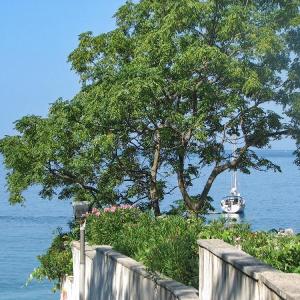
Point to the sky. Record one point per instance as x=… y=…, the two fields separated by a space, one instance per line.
x=36 y=37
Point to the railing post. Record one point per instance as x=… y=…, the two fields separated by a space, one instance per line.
x=82 y=263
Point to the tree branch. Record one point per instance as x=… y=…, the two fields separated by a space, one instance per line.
x=72 y=179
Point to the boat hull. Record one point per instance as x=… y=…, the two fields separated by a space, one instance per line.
x=233 y=205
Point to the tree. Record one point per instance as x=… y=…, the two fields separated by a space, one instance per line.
x=175 y=80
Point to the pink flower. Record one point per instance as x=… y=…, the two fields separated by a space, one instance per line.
x=113 y=208
x=110 y=209
x=95 y=211
x=126 y=206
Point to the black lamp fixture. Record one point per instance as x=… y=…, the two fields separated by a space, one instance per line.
x=80 y=208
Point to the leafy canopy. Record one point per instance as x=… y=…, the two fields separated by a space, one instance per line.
x=174 y=80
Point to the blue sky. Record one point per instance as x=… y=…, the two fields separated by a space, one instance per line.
x=36 y=37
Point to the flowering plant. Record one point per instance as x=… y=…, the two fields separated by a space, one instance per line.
x=110 y=209
x=114 y=207
x=107 y=222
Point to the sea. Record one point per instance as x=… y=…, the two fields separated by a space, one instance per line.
x=272 y=202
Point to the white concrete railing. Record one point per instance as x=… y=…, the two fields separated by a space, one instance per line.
x=113 y=276
x=67 y=291
x=227 y=273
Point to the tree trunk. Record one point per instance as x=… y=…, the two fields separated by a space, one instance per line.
x=195 y=206
x=154 y=194
x=181 y=182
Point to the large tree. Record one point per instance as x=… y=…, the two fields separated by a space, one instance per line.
x=164 y=93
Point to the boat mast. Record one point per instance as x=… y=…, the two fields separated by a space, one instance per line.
x=234 y=190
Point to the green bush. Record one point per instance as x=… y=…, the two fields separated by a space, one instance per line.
x=280 y=251
x=105 y=227
x=166 y=245
x=56 y=263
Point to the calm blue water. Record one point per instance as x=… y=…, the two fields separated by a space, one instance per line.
x=26 y=232
x=273 y=201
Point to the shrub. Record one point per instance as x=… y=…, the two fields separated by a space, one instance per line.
x=104 y=227
x=145 y=238
x=56 y=263
x=280 y=251
x=171 y=249
x=166 y=245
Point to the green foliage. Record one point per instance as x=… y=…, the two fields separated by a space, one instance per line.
x=56 y=263
x=173 y=80
x=165 y=244
x=112 y=223
x=179 y=208
x=280 y=251
x=168 y=244
x=167 y=247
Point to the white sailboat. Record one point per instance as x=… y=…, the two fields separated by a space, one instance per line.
x=233 y=203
